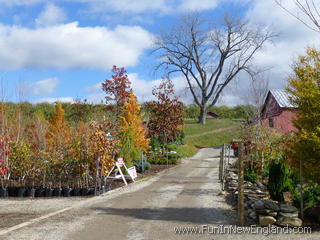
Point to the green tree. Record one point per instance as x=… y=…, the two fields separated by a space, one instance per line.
x=304 y=85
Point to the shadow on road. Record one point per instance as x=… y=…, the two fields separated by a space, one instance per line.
x=187 y=215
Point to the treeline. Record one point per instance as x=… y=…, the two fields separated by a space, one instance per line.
x=245 y=112
x=80 y=111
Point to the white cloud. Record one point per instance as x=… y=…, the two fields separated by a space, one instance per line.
x=68 y=46
x=43 y=87
x=279 y=55
x=94 y=88
x=51 y=15
x=293 y=38
x=128 y=6
x=192 y=5
x=147 y=6
x=10 y=3
x=53 y=100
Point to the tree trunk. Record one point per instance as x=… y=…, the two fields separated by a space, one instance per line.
x=203 y=114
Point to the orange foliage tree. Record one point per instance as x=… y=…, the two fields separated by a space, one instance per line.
x=104 y=147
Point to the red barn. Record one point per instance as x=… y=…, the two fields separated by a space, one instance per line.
x=278 y=112
x=211 y=115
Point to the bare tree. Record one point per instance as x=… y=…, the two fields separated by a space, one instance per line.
x=209 y=56
x=258 y=90
x=308 y=8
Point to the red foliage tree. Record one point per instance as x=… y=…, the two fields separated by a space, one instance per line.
x=118 y=88
x=166 y=121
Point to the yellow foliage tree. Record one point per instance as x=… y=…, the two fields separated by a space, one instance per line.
x=58 y=141
x=304 y=85
x=132 y=132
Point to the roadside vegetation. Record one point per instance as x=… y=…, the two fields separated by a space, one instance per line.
x=214 y=133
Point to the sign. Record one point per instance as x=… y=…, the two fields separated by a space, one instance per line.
x=132 y=172
x=120 y=162
x=119 y=174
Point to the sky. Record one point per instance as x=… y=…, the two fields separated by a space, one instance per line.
x=62 y=50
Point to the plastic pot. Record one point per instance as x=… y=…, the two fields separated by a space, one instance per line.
x=12 y=191
x=76 y=192
x=57 y=192
x=30 y=192
x=40 y=192
x=21 y=191
x=3 y=192
x=91 y=191
x=66 y=192
x=85 y=191
x=48 y=192
x=102 y=189
x=108 y=187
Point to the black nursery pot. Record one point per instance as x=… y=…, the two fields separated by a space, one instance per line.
x=57 y=192
x=12 y=191
x=91 y=191
x=102 y=189
x=30 y=192
x=108 y=187
x=76 y=192
x=48 y=192
x=40 y=192
x=21 y=191
x=66 y=192
x=3 y=192
x=85 y=191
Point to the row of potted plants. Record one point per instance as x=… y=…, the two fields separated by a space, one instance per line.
x=33 y=192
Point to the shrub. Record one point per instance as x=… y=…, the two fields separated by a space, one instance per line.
x=311 y=195
x=279 y=180
x=162 y=160
x=172 y=147
x=250 y=176
x=138 y=165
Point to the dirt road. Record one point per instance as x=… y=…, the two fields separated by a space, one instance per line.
x=185 y=196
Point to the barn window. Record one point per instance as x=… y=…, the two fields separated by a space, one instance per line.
x=271 y=123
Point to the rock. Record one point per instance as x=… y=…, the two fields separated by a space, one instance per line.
x=252 y=215
x=222 y=193
x=259 y=204
x=265 y=221
x=287 y=197
x=286 y=208
x=233 y=176
x=262 y=211
x=289 y=215
x=259 y=184
x=291 y=222
x=312 y=214
x=272 y=205
x=272 y=214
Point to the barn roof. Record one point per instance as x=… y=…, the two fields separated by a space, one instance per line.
x=282 y=97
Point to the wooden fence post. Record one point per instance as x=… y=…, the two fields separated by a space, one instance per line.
x=240 y=187
x=221 y=165
x=229 y=152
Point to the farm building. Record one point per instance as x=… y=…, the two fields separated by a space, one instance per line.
x=278 y=112
x=211 y=115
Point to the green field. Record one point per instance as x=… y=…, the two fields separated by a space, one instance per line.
x=215 y=132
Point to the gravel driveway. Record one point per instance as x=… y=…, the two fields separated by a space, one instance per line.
x=185 y=196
